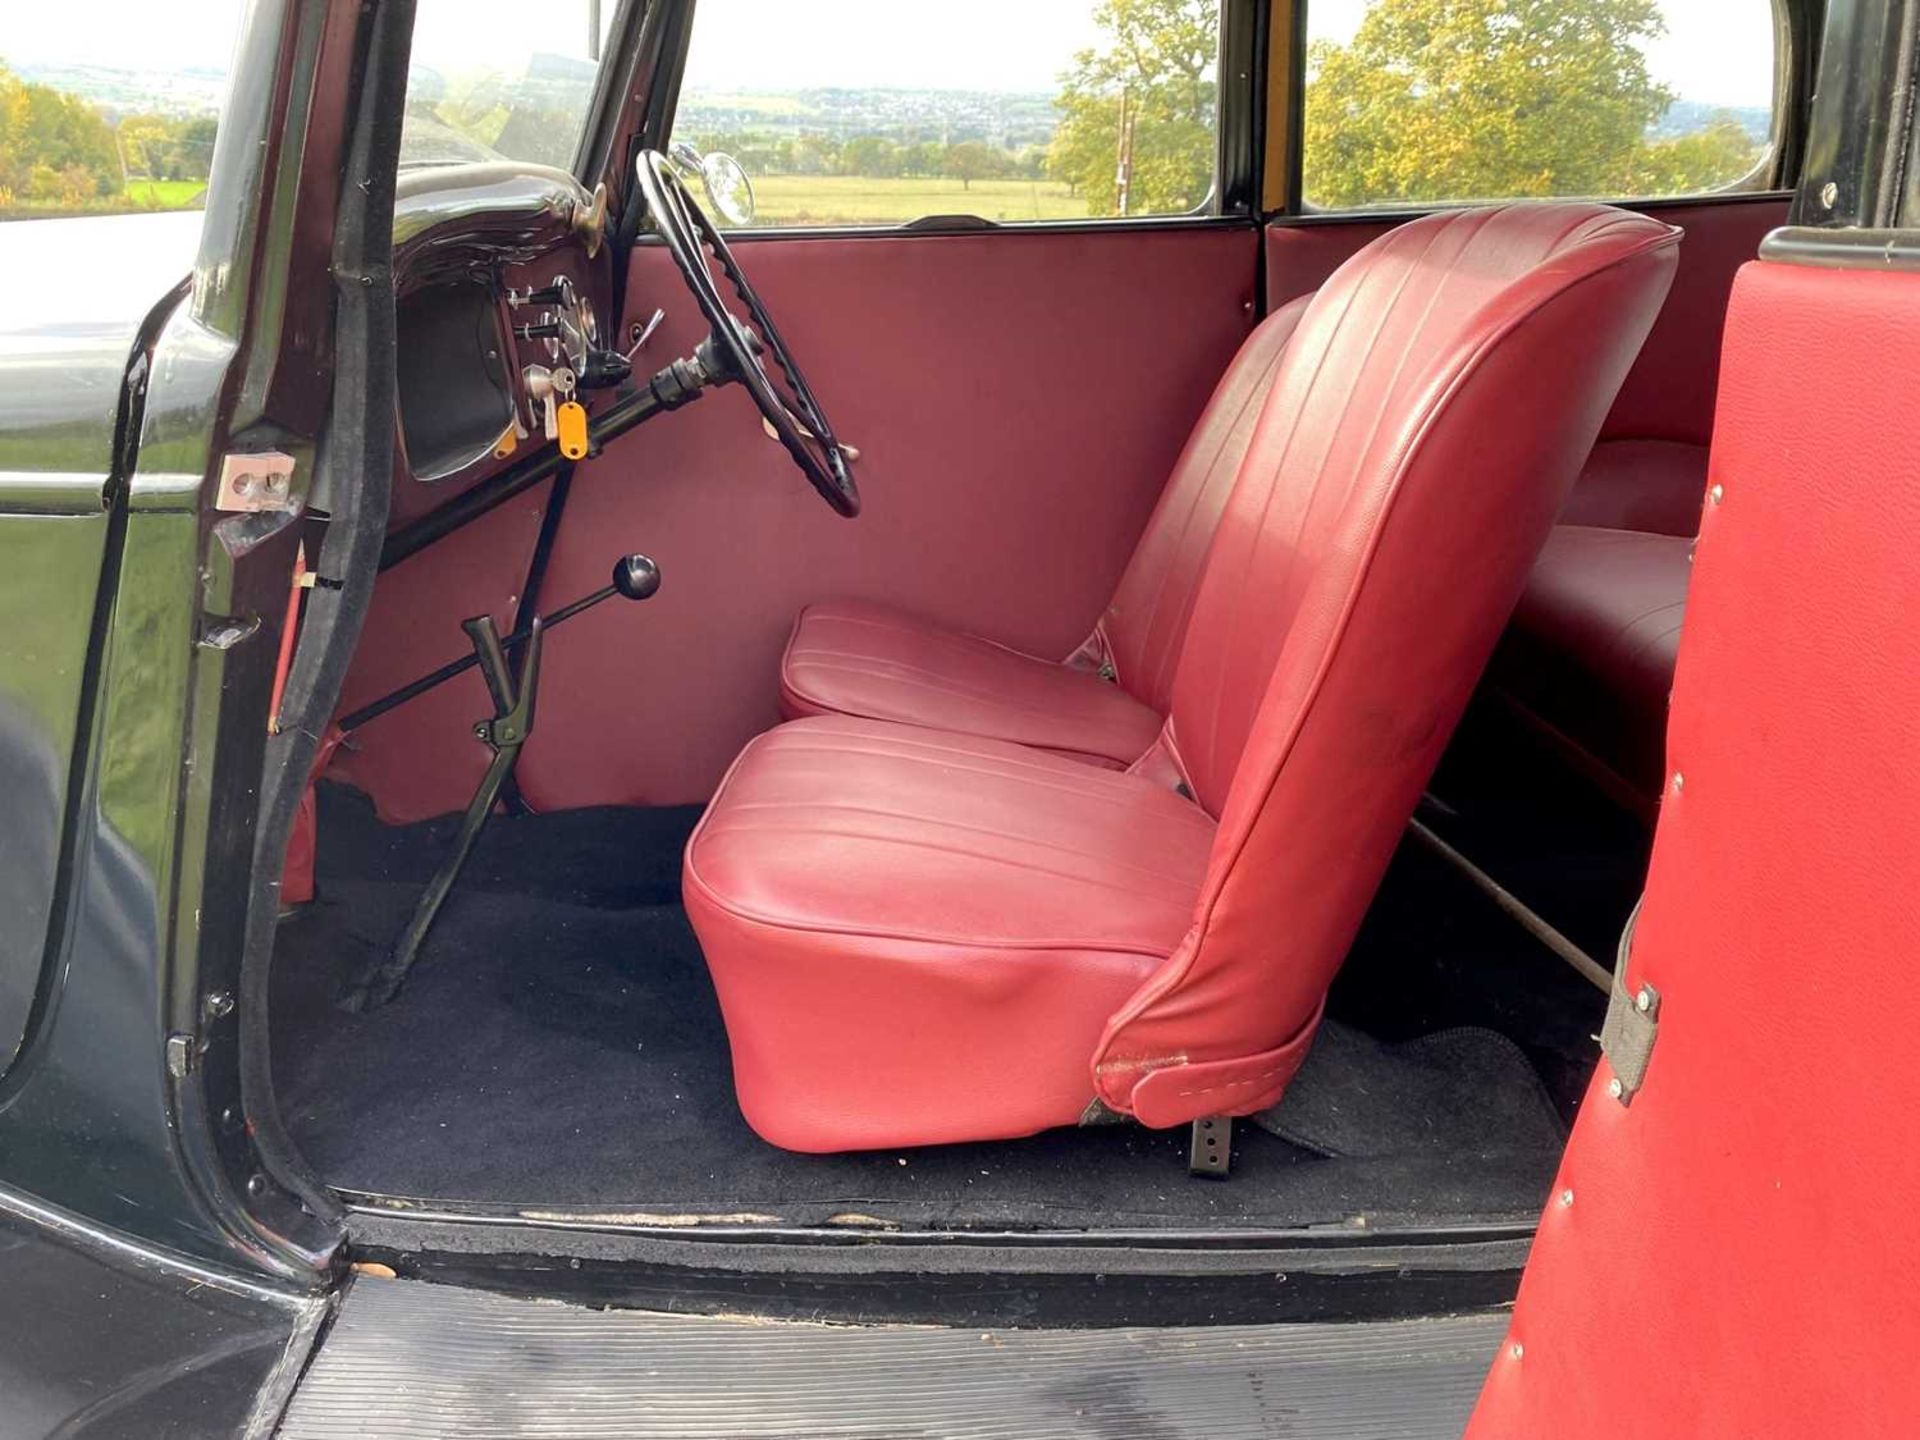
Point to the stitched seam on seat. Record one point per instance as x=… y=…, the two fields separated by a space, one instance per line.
x=1109 y=760
x=1255 y=548
x=1013 y=837
x=1211 y=729
x=1363 y=452
x=1251 y=1080
x=903 y=676
x=954 y=640
x=1255 y=399
x=1109 y=796
x=914 y=743
x=1023 y=866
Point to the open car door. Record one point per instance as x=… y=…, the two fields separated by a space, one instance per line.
x=1723 y=1253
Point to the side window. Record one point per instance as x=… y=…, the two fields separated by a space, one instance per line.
x=882 y=112
x=1418 y=102
x=112 y=111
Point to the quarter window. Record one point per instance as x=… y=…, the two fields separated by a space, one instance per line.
x=1421 y=102
x=878 y=112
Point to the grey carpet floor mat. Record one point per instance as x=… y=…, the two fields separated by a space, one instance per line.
x=1465 y=1091
x=560 y=1045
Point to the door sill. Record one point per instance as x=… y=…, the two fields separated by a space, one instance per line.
x=863 y=1275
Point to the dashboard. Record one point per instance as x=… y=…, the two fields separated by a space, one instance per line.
x=495 y=267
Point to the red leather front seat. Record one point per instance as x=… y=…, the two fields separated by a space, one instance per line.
x=866 y=660
x=921 y=937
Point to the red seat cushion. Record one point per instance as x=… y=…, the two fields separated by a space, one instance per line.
x=849 y=658
x=917 y=937
x=1590 y=654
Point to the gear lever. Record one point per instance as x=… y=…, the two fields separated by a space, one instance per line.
x=513 y=692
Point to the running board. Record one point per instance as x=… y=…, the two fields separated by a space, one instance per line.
x=407 y=1360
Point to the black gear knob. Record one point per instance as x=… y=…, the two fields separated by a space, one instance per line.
x=636 y=577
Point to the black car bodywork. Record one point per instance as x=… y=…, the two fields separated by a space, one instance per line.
x=168 y=1263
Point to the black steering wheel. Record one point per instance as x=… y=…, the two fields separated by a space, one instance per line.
x=742 y=344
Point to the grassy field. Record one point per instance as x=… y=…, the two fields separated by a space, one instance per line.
x=139 y=198
x=853 y=200
x=164 y=194
x=783 y=200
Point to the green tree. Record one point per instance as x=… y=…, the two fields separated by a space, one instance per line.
x=873 y=156
x=1464 y=99
x=193 y=147
x=972 y=160
x=1718 y=154
x=163 y=147
x=814 y=155
x=53 y=146
x=146 y=142
x=922 y=160
x=1143 y=104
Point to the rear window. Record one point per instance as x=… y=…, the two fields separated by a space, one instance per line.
x=1423 y=102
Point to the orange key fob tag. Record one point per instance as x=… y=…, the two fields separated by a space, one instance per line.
x=572 y=419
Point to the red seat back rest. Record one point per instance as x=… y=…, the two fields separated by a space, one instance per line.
x=1426 y=423
x=1730 y=1255
x=1146 y=621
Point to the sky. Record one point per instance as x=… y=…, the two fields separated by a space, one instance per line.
x=122 y=34
x=787 y=44
x=904 y=44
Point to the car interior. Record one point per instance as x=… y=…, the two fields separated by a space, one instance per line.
x=1177 y=758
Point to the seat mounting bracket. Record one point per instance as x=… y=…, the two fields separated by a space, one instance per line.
x=1210 y=1153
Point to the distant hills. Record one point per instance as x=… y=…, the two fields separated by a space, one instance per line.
x=194 y=91
x=1006 y=120
x=1687 y=116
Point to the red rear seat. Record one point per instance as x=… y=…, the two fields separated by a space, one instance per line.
x=1649 y=485
x=1589 y=656
x=1590 y=653
x=1591 y=649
